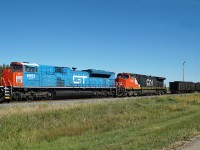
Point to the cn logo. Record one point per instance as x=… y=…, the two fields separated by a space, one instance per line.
x=149 y=82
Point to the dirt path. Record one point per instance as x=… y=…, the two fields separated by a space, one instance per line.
x=193 y=144
x=190 y=144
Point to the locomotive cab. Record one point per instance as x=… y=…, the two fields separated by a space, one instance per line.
x=13 y=76
x=127 y=80
x=30 y=75
x=20 y=73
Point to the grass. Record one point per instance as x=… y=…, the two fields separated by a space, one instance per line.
x=152 y=123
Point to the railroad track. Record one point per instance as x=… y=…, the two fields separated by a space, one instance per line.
x=73 y=101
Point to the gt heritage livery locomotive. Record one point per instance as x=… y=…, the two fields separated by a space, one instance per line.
x=28 y=81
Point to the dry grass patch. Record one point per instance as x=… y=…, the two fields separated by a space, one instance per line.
x=151 y=123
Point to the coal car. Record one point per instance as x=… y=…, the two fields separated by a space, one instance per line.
x=182 y=87
x=197 y=86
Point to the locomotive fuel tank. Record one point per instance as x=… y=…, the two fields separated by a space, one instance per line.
x=73 y=94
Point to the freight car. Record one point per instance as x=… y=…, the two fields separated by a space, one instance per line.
x=33 y=81
x=130 y=84
x=182 y=87
x=197 y=86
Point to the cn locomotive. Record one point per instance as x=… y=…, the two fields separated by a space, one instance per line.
x=31 y=81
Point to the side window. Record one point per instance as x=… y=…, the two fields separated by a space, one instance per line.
x=58 y=69
x=16 y=68
x=132 y=76
x=124 y=76
x=31 y=69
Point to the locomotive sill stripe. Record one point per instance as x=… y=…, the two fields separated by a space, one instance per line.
x=146 y=88
x=152 y=88
x=65 y=87
x=133 y=88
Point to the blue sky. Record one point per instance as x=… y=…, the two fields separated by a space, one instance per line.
x=152 y=37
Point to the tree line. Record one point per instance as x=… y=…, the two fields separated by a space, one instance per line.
x=4 y=66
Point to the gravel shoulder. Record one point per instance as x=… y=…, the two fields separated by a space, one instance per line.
x=189 y=144
x=73 y=101
x=192 y=144
x=66 y=101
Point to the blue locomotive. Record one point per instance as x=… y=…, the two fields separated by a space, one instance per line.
x=33 y=81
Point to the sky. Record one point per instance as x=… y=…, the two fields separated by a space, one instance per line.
x=151 y=37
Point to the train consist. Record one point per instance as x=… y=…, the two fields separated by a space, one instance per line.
x=30 y=81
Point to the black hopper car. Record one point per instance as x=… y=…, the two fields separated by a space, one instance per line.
x=197 y=86
x=184 y=87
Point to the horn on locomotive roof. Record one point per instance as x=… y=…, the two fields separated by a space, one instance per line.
x=74 y=68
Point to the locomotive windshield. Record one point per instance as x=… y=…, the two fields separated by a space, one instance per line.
x=31 y=68
x=16 y=68
x=133 y=75
x=124 y=76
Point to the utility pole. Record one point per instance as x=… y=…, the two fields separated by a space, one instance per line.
x=183 y=69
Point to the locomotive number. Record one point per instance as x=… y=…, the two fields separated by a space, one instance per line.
x=149 y=82
x=79 y=79
x=31 y=76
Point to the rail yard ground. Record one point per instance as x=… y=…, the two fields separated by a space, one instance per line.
x=147 y=123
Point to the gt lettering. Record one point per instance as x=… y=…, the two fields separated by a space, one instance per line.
x=79 y=79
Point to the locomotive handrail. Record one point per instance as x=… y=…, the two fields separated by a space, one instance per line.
x=90 y=85
x=2 y=79
x=9 y=83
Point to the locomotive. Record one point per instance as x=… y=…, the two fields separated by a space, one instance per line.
x=29 y=81
x=130 y=84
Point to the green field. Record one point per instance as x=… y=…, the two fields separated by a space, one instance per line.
x=152 y=123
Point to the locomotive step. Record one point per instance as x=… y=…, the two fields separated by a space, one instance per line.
x=7 y=97
x=7 y=92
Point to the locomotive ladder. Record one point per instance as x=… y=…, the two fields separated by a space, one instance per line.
x=7 y=90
